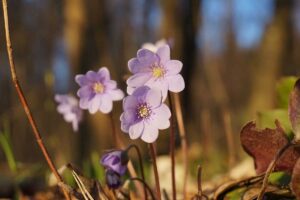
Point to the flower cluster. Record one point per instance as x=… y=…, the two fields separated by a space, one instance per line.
x=154 y=74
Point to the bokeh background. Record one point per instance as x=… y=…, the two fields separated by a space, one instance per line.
x=233 y=53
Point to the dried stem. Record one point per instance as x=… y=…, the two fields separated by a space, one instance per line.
x=114 y=132
x=172 y=146
x=183 y=141
x=270 y=169
x=24 y=102
x=229 y=138
x=153 y=156
x=199 y=180
x=146 y=186
x=141 y=165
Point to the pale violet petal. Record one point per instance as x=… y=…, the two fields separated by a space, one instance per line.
x=116 y=94
x=136 y=130
x=138 y=79
x=173 y=67
x=150 y=133
x=154 y=97
x=176 y=83
x=164 y=53
x=106 y=104
x=103 y=73
x=94 y=104
x=161 y=116
x=130 y=102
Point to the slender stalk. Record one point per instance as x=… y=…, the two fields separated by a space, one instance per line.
x=199 y=181
x=141 y=165
x=146 y=186
x=114 y=132
x=229 y=138
x=270 y=169
x=153 y=156
x=183 y=140
x=172 y=146
x=24 y=102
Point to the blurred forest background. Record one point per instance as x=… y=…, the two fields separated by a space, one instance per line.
x=233 y=52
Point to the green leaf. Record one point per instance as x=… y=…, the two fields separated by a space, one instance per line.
x=280 y=178
x=267 y=118
x=284 y=88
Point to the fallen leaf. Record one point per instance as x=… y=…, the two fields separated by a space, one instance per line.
x=294 y=109
x=295 y=182
x=262 y=146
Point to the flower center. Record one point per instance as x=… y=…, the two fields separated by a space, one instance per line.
x=98 y=87
x=158 y=71
x=143 y=111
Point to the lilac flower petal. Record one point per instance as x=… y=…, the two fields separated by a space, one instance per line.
x=130 y=102
x=134 y=65
x=106 y=104
x=138 y=79
x=154 y=98
x=141 y=92
x=110 y=84
x=94 y=104
x=104 y=74
x=116 y=94
x=162 y=116
x=85 y=91
x=161 y=85
x=136 y=130
x=164 y=53
x=130 y=90
x=176 y=83
x=146 y=56
x=173 y=67
x=84 y=103
x=150 y=133
x=81 y=80
x=92 y=76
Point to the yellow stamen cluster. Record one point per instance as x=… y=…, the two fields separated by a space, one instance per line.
x=143 y=111
x=98 y=87
x=158 y=71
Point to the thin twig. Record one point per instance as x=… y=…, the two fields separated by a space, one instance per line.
x=270 y=169
x=183 y=140
x=153 y=156
x=199 y=171
x=114 y=132
x=141 y=165
x=24 y=102
x=229 y=138
x=172 y=146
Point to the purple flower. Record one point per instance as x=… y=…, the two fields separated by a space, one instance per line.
x=68 y=107
x=115 y=160
x=113 y=179
x=156 y=70
x=97 y=91
x=144 y=113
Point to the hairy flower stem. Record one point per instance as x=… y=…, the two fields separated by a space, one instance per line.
x=141 y=165
x=114 y=132
x=172 y=146
x=270 y=169
x=153 y=157
x=183 y=141
x=199 y=181
x=25 y=104
x=146 y=186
